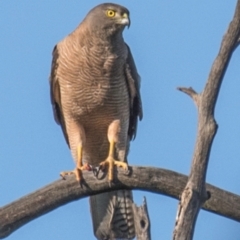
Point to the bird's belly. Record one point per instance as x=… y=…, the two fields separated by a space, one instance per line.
x=95 y=109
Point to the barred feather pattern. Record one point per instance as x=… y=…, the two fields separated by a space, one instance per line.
x=93 y=94
x=90 y=90
x=114 y=218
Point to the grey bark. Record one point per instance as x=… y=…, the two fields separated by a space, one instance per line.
x=194 y=194
x=61 y=192
x=142 y=221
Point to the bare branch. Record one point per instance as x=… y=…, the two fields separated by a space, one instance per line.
x=194 y=194
x=52 y=196
x=190 y=92
x=142 y=221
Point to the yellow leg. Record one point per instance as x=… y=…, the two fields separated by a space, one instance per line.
x=110 y=161
x=79 y=166
x=78 y=169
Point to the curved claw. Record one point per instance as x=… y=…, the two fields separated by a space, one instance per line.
x=77 y=171
x=110 y=162
x=127 y=171
x=96 y=171
x=110 y=183
x=66 y=173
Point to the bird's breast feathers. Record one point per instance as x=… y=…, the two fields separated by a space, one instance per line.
x=95 y=78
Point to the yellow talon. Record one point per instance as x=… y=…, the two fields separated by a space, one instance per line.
x=110 y=161
x=79 y=166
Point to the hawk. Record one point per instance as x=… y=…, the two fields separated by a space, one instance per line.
x=95 y=94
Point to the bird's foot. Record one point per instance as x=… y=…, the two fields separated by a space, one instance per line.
x=110 y=162
x=77 y=171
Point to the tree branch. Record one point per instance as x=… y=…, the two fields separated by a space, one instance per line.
x=52 y=196
x=142 y=221
x=194 y=194
x=190 y=92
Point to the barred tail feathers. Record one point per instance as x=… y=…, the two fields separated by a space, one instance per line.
x=112 y=215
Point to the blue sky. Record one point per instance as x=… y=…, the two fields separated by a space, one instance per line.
x=174 y=44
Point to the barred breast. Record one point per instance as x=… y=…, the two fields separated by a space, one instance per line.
x=95 y=93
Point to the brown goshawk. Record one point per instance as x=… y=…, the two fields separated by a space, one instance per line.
x=96 y=100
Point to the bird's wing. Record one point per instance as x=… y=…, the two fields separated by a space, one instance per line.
x=133 y=82
x=56 y=94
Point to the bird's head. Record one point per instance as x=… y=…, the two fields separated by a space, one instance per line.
x=110 y=17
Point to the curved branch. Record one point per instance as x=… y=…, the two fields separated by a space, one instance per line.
x=56 y=194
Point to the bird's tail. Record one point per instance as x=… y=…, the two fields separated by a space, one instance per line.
x=112 y=215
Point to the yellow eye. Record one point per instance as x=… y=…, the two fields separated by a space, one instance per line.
x=111 y=13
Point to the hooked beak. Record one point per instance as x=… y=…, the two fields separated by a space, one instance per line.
x=125 y=20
